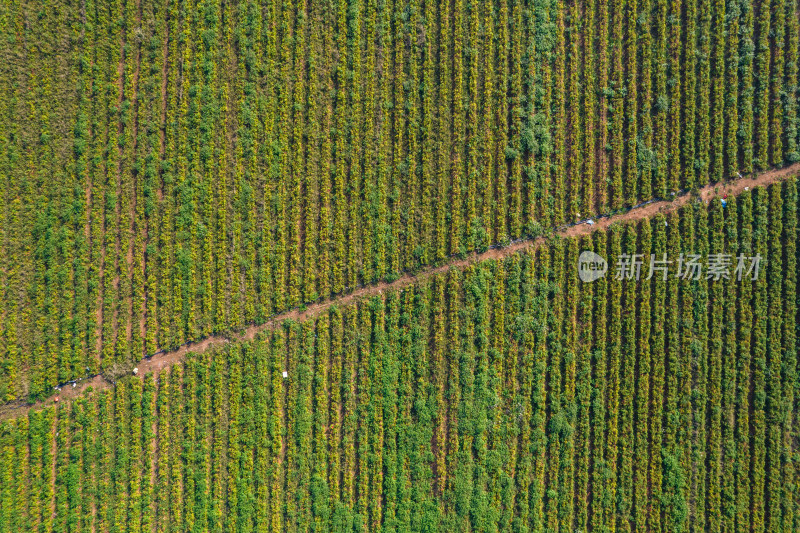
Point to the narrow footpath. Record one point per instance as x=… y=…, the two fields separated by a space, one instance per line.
x=165 y=359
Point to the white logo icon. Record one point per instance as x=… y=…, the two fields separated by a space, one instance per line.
x=591 y=266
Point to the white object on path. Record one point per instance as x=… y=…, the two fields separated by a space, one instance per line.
x=590 y=222
x=135 y=370
x=285 y=374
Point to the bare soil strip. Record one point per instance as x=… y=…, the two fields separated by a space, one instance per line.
x=165 y=359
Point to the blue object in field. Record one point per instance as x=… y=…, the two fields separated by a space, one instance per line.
x=724 y=203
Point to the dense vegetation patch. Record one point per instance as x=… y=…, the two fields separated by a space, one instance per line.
x=171 y=170
x=509 y=395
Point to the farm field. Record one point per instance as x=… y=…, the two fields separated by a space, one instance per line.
x=506 y=395
x=176 y=169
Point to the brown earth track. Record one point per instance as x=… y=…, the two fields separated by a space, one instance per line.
x=165 y=359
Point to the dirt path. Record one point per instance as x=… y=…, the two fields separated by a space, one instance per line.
x=161 y=360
